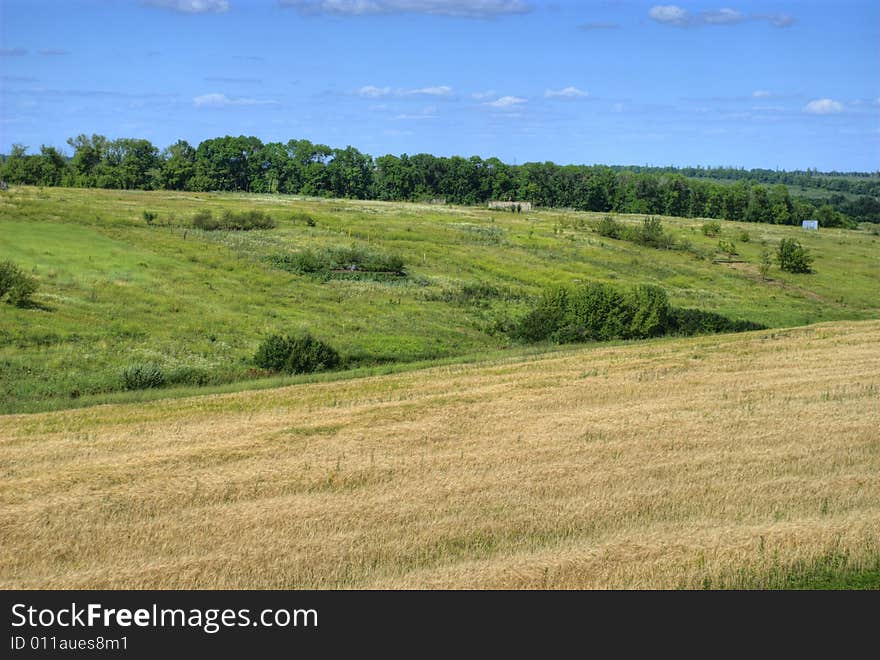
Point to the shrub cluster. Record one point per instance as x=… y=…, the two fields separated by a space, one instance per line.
x=231 y=221
x=325 y=261
x=608 y=227
x=596 y=312
x=299 y=354
x=794 y=257
x=687 y=322
x=650 y=233
x=712 y=228
x=16 y=285
x=600 y=312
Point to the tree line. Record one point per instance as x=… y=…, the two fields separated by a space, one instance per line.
x=245 y=163
x=856 y=183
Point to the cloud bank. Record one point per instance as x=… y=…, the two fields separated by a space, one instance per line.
x=453 y=8
x=676 y=16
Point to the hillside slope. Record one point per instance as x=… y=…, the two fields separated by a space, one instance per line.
x=117 y=292
x=732 y=460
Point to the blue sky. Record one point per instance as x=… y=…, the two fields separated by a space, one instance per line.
x=756 y=84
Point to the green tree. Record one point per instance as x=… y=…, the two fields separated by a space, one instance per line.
x=759 y=205
x=793 y=257
x=177 y=166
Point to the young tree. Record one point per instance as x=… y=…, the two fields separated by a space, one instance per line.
x=793 y=257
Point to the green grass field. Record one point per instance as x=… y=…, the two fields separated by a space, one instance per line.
x=116 y=292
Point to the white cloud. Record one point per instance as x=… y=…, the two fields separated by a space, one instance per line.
x=678 y=16
x=669 y=14
x=440 y=90
x=506 y=102
x=777 y=20
x=823 y=107
x=761 y=94
x=455 y=8
x=53 y=51
x=567 y=93
x=190 y=6
x=723 y=16
x=482 y=96
x=373 y=92
x=12 y=52
x=216 y=100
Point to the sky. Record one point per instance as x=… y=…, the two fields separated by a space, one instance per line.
x=780 y=85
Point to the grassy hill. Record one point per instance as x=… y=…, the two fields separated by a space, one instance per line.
x=116 y=292
x=746 y=460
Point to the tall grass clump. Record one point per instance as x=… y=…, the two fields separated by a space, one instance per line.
x=143 y=377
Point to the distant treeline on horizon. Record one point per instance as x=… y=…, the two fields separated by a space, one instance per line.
x=301 y=167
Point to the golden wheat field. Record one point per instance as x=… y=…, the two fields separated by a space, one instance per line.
x=664 y=464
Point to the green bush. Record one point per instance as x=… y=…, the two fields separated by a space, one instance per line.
x=305 y=218
x=150 y=217
x=650 y=234
x=142 y=377
x=794 y=257
x=599 y=312
x=16 y=285
x=546 y=318
x=711 y=228
x=204 y=219
x=650 y=311
x=231 y=221
x=608 y=227
x=299 y=354
x=687 y=322
x=327 y=261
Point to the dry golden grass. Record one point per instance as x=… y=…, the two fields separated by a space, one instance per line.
x=658 y=464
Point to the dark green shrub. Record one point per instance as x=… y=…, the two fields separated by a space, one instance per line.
x=16 y=285
x=596 y=312
x=650 y=311
x=687 y=322
x=608 y=227
x=794 y=257
x=331 y=260
x=150 y=217
x=245 y=220
x=204 y=219
x=651 y=234
x=711 y=228
x=232 y=221
x=142 y=377
x=599 y=312
x=308 y=354
x=547 y=317
x=272 y=354
x=299 y=354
